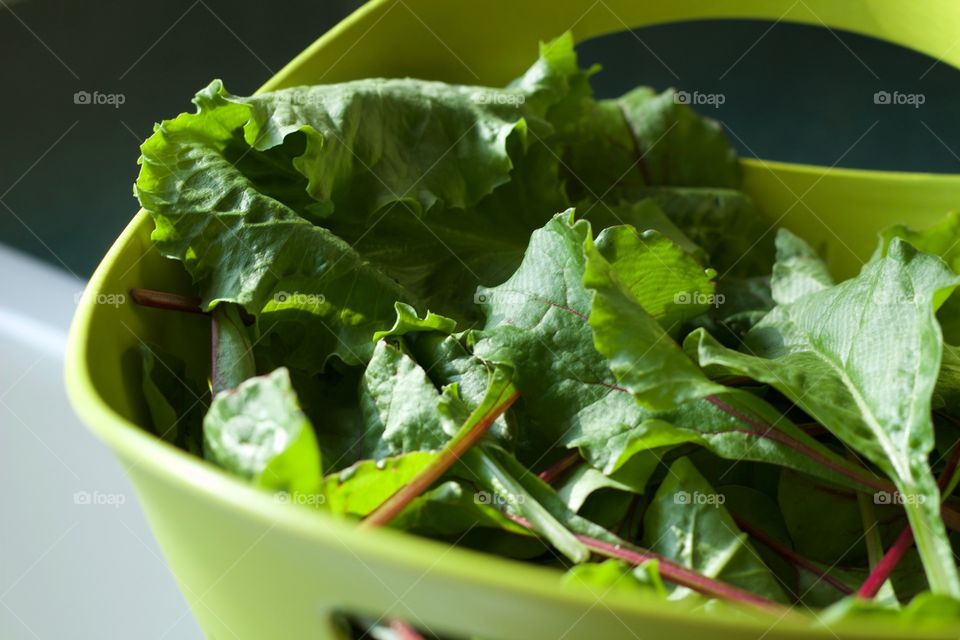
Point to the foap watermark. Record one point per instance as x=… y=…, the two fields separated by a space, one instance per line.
x=697 y=98
x=101 y=298
x=496 y=499
x=99 y=499
x=699 y=498
x=96 y=98
x=897 y=98
x=897 y=498
x=299 y=299
x=699 y=298
x=303 y=499
x=498 y=98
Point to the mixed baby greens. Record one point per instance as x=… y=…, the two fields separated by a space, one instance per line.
x=551 y=327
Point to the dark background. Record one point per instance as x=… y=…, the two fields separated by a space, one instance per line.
x=791 y=92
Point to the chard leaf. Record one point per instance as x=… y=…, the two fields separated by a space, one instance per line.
x=668 y=283
x=616 y=574
x=431 y=353
x=243 y=246
x=862 y=359
x=452 y=509
x=942 y=239
x=258 y=432
x=537 y=323
x=235 y=190
x=641 y=285
x=838 y=539
x=647 y=139
x=363 y=486
x=947 y=392
x=707 y=216
x=585 y=480
x=687 y=522
x=401 y=407
x=643 y=215
x=798 y=270
x=490 y=474
x=409 y=322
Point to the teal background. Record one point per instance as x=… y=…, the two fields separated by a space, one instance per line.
x=799 y=93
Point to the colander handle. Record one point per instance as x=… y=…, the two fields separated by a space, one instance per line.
x=472 y=42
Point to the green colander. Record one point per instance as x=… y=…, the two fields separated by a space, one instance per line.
x=251 y=567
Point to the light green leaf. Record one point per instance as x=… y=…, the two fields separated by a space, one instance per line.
x=585 y=480
x=363 y=486
x=643 y=215
x=258 y=432
x=942 y=239
x=640 y=283
x=600 y=577
x=409 y=322
x=400 y=406
x=798 y=269
x=666 y=281
x=244 y=246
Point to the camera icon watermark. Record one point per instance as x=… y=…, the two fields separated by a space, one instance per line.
x=699 y=298
x=96 y=98
x=696 y=98
x=296 y=298
x=896 y=98
x=699 y=498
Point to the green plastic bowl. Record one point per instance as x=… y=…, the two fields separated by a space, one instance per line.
x=251 y=567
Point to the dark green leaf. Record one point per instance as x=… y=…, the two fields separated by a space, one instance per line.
x=687 y=522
